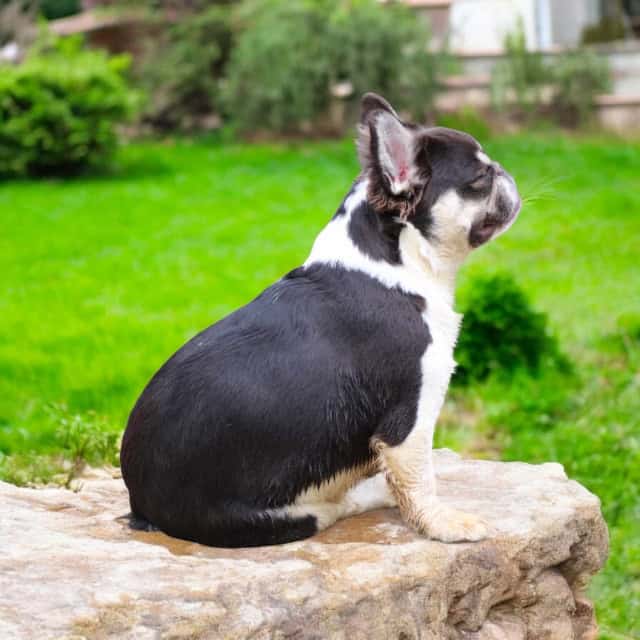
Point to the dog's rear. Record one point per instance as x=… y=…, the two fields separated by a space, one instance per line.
x=283 y=395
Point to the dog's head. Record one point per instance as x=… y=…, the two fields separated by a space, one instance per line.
x=438 y=179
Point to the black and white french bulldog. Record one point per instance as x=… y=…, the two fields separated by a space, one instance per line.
x=318 y=400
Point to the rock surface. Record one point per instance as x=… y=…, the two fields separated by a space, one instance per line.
x=71 y=568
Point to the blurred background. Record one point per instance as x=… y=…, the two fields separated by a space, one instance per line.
x=161 y=162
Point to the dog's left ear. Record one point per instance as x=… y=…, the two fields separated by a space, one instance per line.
x=387 y=148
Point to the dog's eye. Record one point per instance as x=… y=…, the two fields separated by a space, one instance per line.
x=481 y=180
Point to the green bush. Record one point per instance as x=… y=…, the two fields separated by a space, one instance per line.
x=466 y=119
x=629 y=326
x=578 y=77
x=522 y=73
x=59 y=110
x=279 y=71
x=501 y=333
x=572 y=80
x=384 y=49
x=288 y=55
x=80 y=439
x=609 y=29
x=182 y=73
x=53 y=9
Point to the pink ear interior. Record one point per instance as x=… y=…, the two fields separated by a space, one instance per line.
x=395 y=158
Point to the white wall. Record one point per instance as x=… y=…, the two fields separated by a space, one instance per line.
x=569 y=17
x=480 y=25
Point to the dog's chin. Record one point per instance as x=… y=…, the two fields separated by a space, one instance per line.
x=492 y=226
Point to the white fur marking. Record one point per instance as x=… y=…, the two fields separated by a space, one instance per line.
x=508 y=186
x=372 y=493
x=329 y=501
x=483 y=157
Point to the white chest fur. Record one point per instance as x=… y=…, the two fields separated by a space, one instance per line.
x=437 y=363
x=437 y=366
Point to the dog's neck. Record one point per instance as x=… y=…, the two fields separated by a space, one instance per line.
x=392 y=251
x=438 y=267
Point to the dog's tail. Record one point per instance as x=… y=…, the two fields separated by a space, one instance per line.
x=236 y=526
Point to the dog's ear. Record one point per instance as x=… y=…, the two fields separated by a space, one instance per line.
x=387 y=152
x=373 y=102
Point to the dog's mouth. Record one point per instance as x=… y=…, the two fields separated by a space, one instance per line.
x=493 y=224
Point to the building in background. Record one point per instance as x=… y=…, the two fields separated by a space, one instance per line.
x=475 y=32
x=483 y=24
x=479 y=26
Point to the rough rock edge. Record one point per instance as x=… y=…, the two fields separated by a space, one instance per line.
x=510 y=587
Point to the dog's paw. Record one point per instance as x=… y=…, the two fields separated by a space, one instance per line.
x=450 y=525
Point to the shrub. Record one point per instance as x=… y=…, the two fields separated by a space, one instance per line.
x=31 y=469
x=372 y=46
x=59 y=110
x=522 y=73
x=629 y=326
x=466 y=119
x=501 y=333
x=279 y=71
x=182 y=74
x=84 y=439
x=578 y=77
x=81 y=439
x=53 y=9
x=572 y=81
x=384 y=49
x=609 y=29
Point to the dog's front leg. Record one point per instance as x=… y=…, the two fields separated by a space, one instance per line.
x=410 y=473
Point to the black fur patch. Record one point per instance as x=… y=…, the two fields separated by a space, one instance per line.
x=375 y=235
x=341 y=209
x=277 y=397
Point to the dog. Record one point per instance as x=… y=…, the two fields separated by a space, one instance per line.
x=319 y=399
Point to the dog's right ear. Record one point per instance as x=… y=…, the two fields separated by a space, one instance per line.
x=387 y=152
x=385 y=144
x=373 y=102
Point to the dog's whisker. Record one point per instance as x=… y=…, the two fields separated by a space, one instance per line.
x=543 y=190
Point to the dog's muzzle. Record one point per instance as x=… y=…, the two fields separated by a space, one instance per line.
x=503 y=208
x=508 y=201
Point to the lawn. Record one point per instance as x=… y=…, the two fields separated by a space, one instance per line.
x=103 y=277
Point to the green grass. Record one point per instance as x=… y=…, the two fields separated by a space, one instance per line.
x=101 y=279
